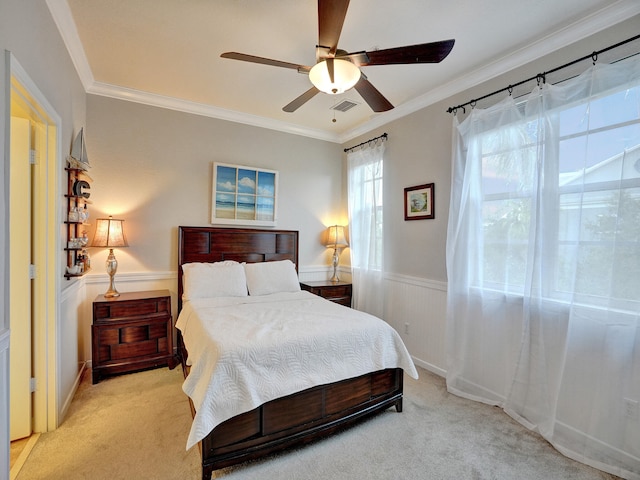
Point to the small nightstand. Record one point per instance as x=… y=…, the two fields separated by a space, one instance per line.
x=338 y=292
x=131 y=332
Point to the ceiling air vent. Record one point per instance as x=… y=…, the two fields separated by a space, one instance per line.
x=344 y=105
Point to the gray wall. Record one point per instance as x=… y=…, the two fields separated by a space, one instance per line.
x=419 y=151
x=153 y=168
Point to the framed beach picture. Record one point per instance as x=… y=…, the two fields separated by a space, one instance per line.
x=418 y=202
x=244 y=195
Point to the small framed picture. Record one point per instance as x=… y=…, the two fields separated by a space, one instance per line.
x=418 y=202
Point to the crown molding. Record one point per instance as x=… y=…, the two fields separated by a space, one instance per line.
x=589 y=25
x=172 y=103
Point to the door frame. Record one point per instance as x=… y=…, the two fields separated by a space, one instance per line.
x=46 y=233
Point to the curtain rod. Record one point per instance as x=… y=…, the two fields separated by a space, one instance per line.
x=383 y=136
x=541 y=77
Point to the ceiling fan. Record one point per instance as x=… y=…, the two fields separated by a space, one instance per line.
x=337 y=71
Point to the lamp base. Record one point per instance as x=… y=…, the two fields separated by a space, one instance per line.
x=112 y=267
x=111 y=294
x=336 y=259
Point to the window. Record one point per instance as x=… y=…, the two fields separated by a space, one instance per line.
x=366 y=242
x=371 y=175
x=589 y=205
x=543 y=260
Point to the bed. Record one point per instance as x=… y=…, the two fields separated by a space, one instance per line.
x=243 y=412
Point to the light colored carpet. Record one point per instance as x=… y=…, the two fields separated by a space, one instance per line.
x=126 y=427
x=135 y=427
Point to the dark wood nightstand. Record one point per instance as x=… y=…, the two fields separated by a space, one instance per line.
x=338 y=292
x=131 y=332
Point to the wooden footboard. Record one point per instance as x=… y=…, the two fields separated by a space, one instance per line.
x=300 y=418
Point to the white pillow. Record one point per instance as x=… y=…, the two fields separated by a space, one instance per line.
x=271 y=277
x=209 y=280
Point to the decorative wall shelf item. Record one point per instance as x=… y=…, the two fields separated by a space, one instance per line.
x=419 y=202
x=77 y=214
x=244 y=195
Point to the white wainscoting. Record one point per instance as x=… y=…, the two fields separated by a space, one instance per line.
x=322 y=273
x=417 y=309
x=71 y=363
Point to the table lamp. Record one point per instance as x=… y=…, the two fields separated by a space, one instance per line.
x=335 y=239
x=110 y=234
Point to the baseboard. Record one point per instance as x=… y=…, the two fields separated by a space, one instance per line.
x=72 y=392
x=428 y=366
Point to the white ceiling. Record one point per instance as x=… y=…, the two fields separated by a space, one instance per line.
x=167 y=52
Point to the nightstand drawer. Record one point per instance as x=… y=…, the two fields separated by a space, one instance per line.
x=131 y=342
x=339 y=292
x=110 y=312
x=133 y=350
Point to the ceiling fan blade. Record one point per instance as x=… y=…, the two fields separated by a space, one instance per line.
x=264 y=61
x=372 y=96
x=433 y=52
x=331 y=14
x=330 y=70
x=301 y=100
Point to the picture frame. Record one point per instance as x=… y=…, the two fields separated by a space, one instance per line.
x=243 y=195
x=419 y=202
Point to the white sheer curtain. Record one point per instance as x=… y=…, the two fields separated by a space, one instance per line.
x=365 y=176
x=543 y=263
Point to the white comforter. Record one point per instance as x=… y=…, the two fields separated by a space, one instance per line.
x=245 y=351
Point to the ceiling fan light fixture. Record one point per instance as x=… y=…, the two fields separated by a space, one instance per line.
x=345 y=76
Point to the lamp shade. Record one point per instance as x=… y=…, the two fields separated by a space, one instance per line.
x=345 y=76
x=109 y=233
x=335 y=237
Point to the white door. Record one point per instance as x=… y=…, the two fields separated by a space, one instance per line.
x=20 y=407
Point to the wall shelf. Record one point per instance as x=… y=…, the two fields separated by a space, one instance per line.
x=78 y=263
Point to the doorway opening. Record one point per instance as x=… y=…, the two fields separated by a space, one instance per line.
x=34 y=212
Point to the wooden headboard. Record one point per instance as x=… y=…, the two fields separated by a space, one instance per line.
x=214 y=244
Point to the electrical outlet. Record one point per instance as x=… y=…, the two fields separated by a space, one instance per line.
x=631 y=409
x=406 y=329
